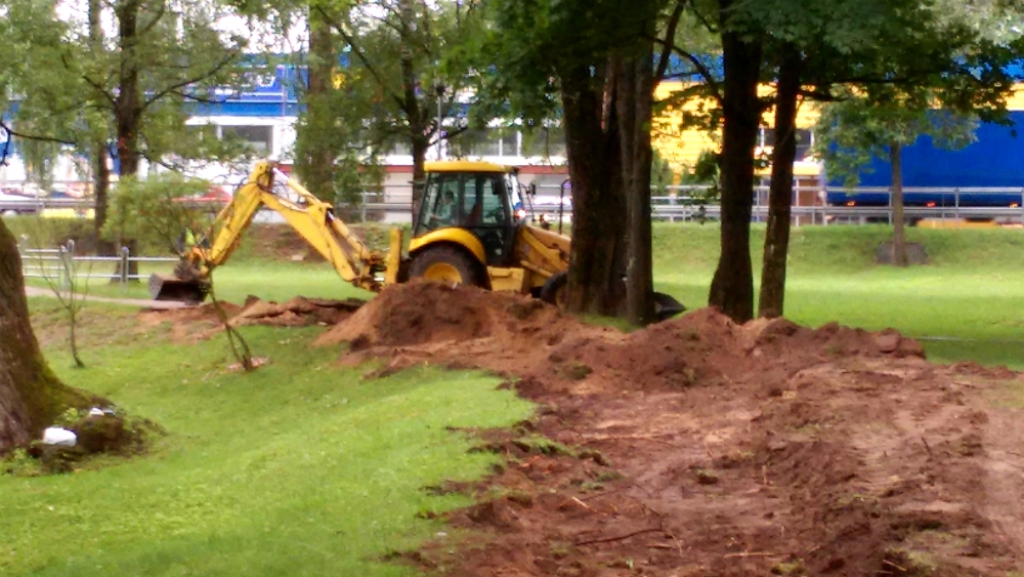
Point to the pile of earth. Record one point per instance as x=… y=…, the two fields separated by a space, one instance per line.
x=703 y=447
x=297 y=312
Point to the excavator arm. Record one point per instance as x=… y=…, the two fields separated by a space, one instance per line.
x=312 y=218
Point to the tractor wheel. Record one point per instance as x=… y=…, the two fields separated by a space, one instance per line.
x=553 y=291
x=447 y=264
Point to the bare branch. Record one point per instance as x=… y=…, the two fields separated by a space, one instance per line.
x=96 y=85
x=705 y=73
x=670 y=34
x=199 y=77
x=362 y=57
x=39 y=138
x=159 y=15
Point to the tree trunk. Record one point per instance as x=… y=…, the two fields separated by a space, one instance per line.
x=780 y=194
x=416 y=116
x=899 y=239
x=31 y=397
x=100 y=170
x=316 y=166
x=635 y=103
x=597 y=252
x=128 y=105
x=419 y=174
x=101 y=189
x=732 y=289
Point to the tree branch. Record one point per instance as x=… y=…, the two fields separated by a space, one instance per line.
x=96 y=85
x=38 y=138
x=716 y=90
x=156 y=18
x=362 y=57
x=670 y=34
x=179 y=85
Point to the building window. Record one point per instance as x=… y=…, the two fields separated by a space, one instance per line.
x=804 y=140
x=261 y=138
x=544 y=143
x=490 y=142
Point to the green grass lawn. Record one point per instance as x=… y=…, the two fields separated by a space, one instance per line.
x=300 y=468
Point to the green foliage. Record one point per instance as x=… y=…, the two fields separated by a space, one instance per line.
x=155 y=209
x=851 y=132
x=661 y=175
x=68 y=76
x=706 y=173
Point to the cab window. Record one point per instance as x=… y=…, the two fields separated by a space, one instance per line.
x=484 y=202
x=440 y=203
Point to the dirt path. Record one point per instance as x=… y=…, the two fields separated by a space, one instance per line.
x=699 y=447
x=141 y=303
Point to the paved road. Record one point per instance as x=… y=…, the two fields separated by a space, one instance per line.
x=141 y=303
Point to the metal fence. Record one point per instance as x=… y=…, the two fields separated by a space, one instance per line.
x=62 y=266
x=680 y=203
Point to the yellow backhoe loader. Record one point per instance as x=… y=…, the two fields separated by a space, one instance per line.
x=471 y=230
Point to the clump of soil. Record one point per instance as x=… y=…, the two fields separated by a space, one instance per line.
x=702 y=447
x=203 y=322
x=97 y=434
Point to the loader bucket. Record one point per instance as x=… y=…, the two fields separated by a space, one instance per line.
x=172 y=288
x=666 y=307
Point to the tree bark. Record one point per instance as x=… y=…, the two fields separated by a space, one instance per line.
x=597 y=252
x=317 y=166
x=128 y=105
x=100 y=170
x=635 y=103
x=732 y=289
x=31 y=397
x=416 y=116
x=780 y=194
x=419 y=175
x=899 y=239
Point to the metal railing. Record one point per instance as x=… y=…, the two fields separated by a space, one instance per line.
x=682 y=203
x=62 y=266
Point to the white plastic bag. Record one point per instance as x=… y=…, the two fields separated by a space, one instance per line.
x=60 y=437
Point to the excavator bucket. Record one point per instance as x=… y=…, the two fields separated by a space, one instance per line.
x=666 y=307
x=172 y=288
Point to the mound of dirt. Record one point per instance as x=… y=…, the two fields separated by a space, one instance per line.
x=702 y=447
x=202 y=322
x=427 y=313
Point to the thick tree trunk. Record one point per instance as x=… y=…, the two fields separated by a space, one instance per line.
x=30 y=395
x=597 y=252
x=317 y=165
x=732 y=289
x=780 y=195
x=100 y=170
x=416 y=116
x=419 y=174
x=101 y=190
x=128 y=105
x=899 y=239
x=635 y=103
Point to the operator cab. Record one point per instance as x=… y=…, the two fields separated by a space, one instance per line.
x=479 y=197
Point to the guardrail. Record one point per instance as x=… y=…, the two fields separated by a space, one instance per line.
x=61 y=265
x=679 y=205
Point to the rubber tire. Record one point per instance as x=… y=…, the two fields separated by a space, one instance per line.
x=552 y=286
x=467 y=267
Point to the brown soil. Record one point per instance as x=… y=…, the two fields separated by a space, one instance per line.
x=202 y=322
x=701 y=447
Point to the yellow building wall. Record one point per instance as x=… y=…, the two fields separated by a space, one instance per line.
x=682 y=147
